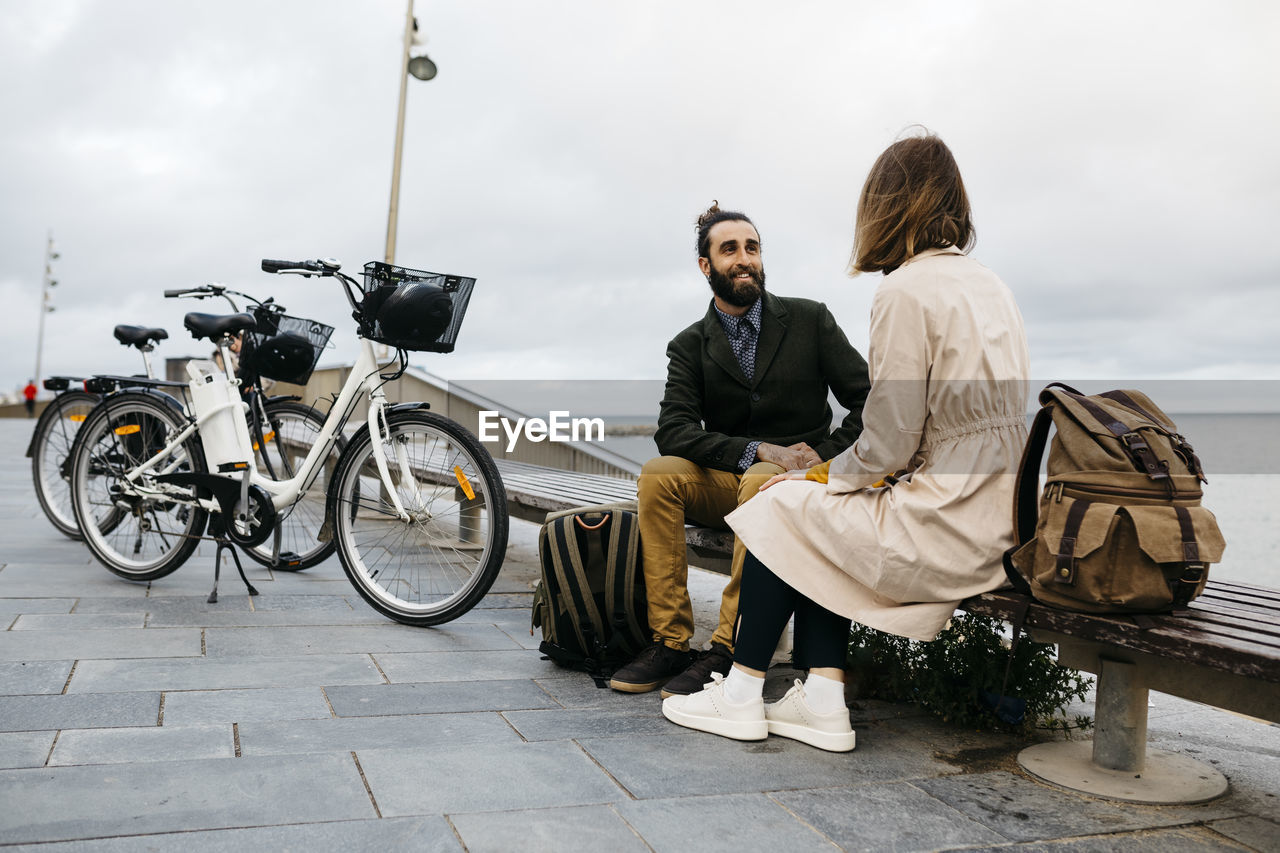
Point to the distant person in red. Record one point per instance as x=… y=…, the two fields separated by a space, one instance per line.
x=29 y=394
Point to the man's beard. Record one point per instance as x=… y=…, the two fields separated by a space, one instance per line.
x=739 y=296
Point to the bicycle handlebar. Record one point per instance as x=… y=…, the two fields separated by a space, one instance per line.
x=207 y=291
x=304 y=267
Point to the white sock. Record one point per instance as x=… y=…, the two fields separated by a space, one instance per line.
x=742 y=687
x=824 y=695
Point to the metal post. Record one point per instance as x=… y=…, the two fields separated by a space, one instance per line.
x=1120 y=737
x=395 y=167
x=49 y=256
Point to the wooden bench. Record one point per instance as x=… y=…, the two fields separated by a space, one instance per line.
x=533 y=491
x=1224 y=651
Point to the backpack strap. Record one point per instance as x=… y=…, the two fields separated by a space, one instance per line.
x=1064 y=567
x=566 y=558
x=614 y=592
x=623 y=549
x=1180 y=444
x=1026 y=500
x=1193 y=570
x=1139 y=452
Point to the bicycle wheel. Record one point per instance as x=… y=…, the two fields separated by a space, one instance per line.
x=288 y=435
x=441 y=562
x=50 y=456
x=135 y=535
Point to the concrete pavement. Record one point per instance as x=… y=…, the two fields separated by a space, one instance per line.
x=137 y=716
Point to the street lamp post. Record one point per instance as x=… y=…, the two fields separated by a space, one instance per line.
x=50 y=255
x=421 y=68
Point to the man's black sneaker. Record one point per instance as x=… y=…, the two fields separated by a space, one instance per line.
x=650 y=669
x=718 y=658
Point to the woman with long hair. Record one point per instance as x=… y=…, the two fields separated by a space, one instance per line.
x=914 y=517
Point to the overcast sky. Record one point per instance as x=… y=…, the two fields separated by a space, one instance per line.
x=1120 y=157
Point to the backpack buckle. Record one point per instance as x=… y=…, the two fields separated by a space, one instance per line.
x=1140 y=452
x=1193 y=573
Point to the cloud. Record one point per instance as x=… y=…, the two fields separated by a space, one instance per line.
x=1119 y=159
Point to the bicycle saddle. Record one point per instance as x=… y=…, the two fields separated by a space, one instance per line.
x=61 y=383
x=214 y=326
x=139 y=336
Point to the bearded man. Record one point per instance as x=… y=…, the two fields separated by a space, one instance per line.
x=746 y=398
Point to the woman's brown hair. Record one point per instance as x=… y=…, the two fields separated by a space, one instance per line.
x=913 y=200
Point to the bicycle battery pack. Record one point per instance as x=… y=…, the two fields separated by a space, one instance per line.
x=223 y=434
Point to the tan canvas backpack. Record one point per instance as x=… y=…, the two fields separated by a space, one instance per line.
x=1119 y=527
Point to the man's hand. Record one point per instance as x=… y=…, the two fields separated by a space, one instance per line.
x=809 y=456
x=787 y=458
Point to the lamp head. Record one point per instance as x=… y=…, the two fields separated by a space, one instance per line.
x=422 y=68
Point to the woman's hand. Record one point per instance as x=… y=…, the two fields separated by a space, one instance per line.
x=797 y=474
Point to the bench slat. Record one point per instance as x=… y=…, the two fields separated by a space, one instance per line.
x=1172 y=638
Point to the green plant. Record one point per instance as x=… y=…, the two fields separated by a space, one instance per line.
x=952 y=675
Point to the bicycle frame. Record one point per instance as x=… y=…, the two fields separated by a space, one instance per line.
x=362 y=379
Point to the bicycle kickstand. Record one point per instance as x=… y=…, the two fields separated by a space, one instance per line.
x=226 y=544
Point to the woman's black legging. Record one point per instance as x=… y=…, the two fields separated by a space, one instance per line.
x=765 y=603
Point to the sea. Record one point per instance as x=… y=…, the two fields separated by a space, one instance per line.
x=1241 y=457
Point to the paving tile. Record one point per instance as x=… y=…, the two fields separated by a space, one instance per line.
x=464 y=666
x=154 y=743
x=485 y=777
x=64 y=803
x=154 y=607
x=24 y=749
x=17 y=606
x=659 y=766
x=870 y=818
x=426 y=834
x=437 y=697
x=43 y=576
x=1253 y=773
x=1260 y=834
x=1186 y=840
x=580 y=829
x=43 y=676
x=292 y=737
x=513 y=623
x=1023 y=810
x=77 y=621
x=39 y=713
x=103 y=676
x=99 y=644
x=723 y=824
x=190 y=707
x=385 y=638
x=261 y=618
x=506 y=601
x=577 y=690
x=562 y=724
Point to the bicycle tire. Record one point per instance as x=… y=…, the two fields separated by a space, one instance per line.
x=51 y=443
x=288 y=435
x=138 y=539
x=438 y=565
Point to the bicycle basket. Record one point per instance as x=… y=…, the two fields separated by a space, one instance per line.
x=413 y=309
x=285 y=349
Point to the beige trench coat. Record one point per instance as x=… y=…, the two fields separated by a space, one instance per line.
x=949 y=369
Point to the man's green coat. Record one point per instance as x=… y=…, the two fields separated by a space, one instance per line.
x=710 y=411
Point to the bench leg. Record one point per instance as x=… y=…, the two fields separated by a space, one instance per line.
x=1117 y=763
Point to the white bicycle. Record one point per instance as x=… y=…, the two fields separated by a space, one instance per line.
x=415 y=506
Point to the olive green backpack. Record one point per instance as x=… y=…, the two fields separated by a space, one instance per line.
x=590 y=603
x=1118 y=527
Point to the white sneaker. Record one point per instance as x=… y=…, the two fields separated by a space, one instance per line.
x=709 y=710
x=792 y=717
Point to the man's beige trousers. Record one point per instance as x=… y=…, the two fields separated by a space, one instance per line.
x=671 y=490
